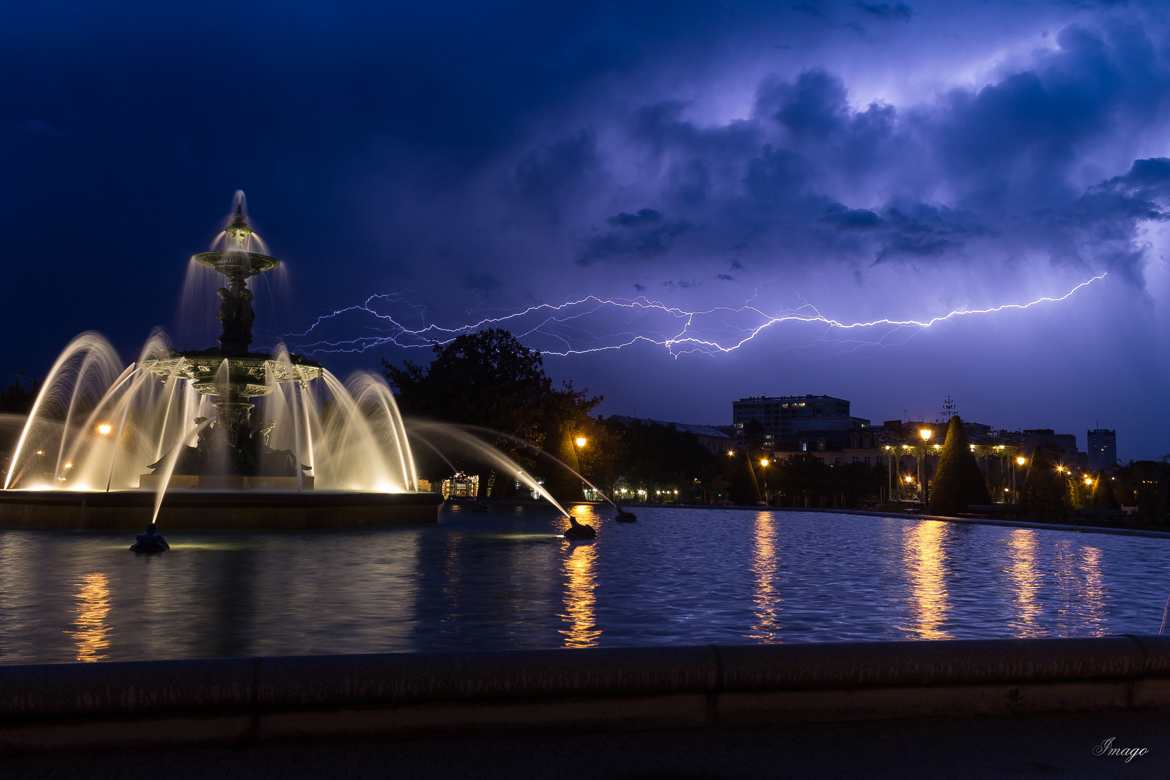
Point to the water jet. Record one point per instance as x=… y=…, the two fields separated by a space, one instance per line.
x=223 y=437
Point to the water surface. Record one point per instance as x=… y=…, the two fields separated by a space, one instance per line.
x=507 y=581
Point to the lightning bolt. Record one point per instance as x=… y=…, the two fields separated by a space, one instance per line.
x=560 y=323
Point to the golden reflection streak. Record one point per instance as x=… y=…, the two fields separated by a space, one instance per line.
x=580 y=599
x=766 y=596
x=580 y=613
x=1022 y=544
x=1094 y=593
x=925 y=562
x=93 y=606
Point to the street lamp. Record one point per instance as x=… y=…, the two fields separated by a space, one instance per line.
x=104 y=429
x=731 y=453
x=1021 y=461
x=926 y=434
x=579 y=443
x=764 y=464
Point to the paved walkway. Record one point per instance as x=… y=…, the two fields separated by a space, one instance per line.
x=952 y=749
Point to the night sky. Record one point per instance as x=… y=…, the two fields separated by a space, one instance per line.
x=871 y=159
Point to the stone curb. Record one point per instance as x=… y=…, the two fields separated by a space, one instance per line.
x=258 y=699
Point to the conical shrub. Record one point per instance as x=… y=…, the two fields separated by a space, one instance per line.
x=958 y=483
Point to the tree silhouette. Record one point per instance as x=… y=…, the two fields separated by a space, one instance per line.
x=958 y=483
x=490 y=379
x=1045 y=490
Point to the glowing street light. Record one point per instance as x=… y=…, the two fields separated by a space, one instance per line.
x=926 y=434
x=1021 y=461
x=1088 y=480
x=581 y=441
x=104 y=429
x=765 y=463
x=731 y=453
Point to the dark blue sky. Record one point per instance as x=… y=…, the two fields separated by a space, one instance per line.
x=871 y=159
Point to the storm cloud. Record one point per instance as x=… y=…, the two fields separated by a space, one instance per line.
x=872 y=158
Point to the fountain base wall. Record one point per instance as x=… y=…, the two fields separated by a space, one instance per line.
x=215 y=510
x=227 y=482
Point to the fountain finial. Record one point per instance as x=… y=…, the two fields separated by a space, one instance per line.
x=239 y=210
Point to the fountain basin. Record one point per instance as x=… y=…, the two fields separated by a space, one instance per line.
x=214 y=510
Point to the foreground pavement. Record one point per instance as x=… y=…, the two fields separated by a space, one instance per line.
x=958 y=748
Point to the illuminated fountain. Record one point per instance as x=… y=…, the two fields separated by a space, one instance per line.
x=229 y=437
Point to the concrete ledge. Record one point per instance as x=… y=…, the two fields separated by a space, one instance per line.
x=206 y=510
x=248 y=700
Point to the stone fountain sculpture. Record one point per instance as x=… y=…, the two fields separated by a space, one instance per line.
x=226 y=437
x=232 y=449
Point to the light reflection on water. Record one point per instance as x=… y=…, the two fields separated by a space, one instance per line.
x=580 y=600
x=766 y=598
x=925 y=561
x=1026 y=578
x=481 y=581
x=580 y=583
x=93 y=605
x=1094 y=591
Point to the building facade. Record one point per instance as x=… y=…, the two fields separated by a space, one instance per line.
x=1102 y=447
x=796 y=422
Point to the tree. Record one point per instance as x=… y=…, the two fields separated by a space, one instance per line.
x=743 y=487
x=1045 y=492
x=1104 y=499
x=652 y=454
x=1145 y=484
x=753 y=437
x=489 y=379
x=958 y=483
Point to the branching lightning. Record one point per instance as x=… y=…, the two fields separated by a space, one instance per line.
x=559 y=330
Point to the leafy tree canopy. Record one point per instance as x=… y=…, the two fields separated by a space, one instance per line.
x=490 y=379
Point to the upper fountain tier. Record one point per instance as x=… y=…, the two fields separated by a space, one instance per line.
x=231 y=371
x=234 y=252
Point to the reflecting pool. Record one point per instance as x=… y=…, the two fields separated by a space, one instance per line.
x=508 y=581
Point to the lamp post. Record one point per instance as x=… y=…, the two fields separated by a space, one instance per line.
x=764 y=464
x=1020 y=462
x=580 y=442
x=925 y=434
x=889 y=473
